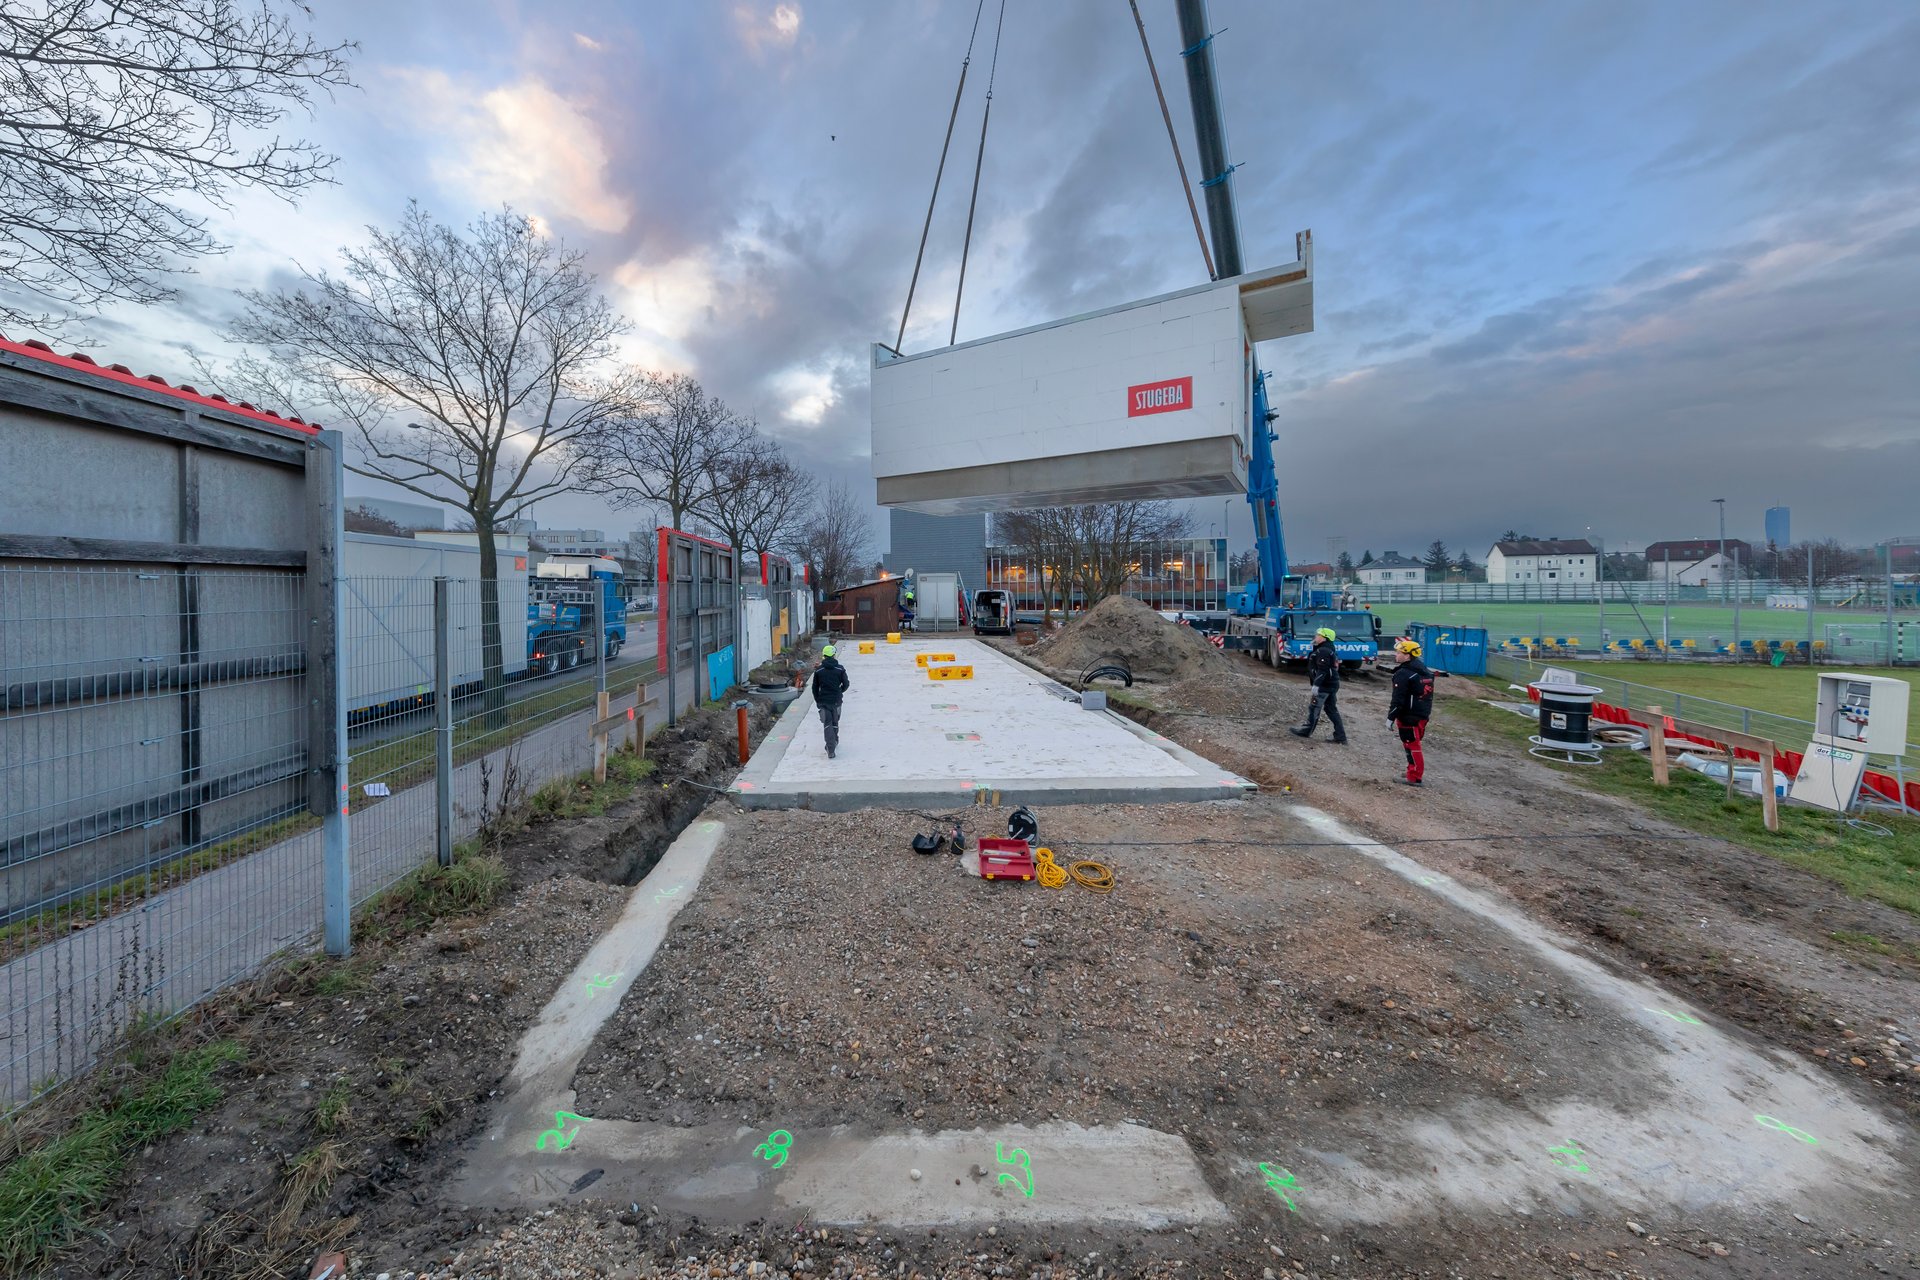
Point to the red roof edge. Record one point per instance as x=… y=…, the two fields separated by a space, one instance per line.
x=79 y=362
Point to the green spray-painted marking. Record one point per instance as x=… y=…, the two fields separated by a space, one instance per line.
x=776 y=1145
x=1576 y=1159
x=1426 y=879
x=1768 y=1122
x=1021 y=1158
x=561 y=1136
x=664 y=894
x=1278 y=1184
x=1687 y=1018
x=600 y=983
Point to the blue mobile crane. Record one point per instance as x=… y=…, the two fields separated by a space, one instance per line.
x=1275 y=617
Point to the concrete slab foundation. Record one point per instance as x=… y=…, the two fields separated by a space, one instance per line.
x=908 y=740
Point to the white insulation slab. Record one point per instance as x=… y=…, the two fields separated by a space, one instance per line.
x=1146 y=400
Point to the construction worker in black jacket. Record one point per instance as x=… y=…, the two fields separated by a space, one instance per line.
x=830 y=685
x=1412 y=705
x=1323 y=673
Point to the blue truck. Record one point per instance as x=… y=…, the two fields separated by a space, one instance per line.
x=560 y=612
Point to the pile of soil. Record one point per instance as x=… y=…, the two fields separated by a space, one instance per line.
x=1123 y=628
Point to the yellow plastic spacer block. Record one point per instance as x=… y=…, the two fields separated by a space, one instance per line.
x=922 y=659
x=866 y=646
x=893 y=637
x=949 y=673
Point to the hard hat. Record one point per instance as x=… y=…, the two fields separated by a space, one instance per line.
x=1409 y=647
x=1327 y=632
x=826 y=651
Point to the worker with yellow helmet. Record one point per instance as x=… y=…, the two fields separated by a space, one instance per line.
x=1323 y=673
x=1412 y=705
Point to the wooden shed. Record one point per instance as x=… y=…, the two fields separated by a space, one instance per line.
x=874 y=607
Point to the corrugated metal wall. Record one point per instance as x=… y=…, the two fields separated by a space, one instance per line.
x=939 y=544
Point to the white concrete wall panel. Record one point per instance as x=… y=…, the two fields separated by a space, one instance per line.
x=1046 y=409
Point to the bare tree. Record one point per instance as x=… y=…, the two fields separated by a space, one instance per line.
x=666 y=447
x=835 y=540
x=758 y=499
x=111 y=111
x=1089 y=553
x=461 y=365
x=1830 y=561
x=366 y=520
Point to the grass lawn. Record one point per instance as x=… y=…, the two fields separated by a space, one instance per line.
x=1884 y=868
x=1690 y=621
x=1785 y=691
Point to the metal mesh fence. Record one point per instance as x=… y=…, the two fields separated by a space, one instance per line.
x=1787 y=732
x=154 y=828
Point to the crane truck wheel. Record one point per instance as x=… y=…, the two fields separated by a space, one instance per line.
x=613 y=647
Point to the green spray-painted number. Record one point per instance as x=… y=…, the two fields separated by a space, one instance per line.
x=1576 y=1159
x=664 y=894
x=1017 y=1157
x=1279 y=1183
x=1768 y=1122
x=559 y=1135
x=776 y=1144
x=1686 y=1018
x=600 y=983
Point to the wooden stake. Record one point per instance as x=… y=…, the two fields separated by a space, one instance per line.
x=1657 y=746
x=601 y=703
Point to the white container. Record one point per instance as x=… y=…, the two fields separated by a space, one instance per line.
x=387 y=631
x=1147 y=400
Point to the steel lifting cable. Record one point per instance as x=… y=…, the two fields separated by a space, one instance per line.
x=1186 y=187
x=927 y=226
x=967 y=244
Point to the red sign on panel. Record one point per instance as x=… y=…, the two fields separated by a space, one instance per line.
x=1160 y=397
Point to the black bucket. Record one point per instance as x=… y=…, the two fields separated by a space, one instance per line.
x=1566 y=714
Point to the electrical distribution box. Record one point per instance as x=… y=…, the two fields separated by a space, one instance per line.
x=1864 y=713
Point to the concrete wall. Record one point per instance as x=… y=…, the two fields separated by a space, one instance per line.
x=152 y=699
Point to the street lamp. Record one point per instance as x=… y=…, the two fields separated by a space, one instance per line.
x=1722 y=504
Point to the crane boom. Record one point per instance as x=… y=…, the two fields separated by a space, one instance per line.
x=1210 y=133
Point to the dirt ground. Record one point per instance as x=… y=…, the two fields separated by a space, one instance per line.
x=1227 y=992
x=1123 y=628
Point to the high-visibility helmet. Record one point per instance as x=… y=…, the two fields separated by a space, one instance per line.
x=1409 y=647
x=826 y=651
x=1326 y=633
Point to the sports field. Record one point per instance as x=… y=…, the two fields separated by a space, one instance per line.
x=1785 y=691
x=1686 y=622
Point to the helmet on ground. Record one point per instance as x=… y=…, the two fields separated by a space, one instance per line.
x=1407 y=646
x=1326 y=633
x=826 y=651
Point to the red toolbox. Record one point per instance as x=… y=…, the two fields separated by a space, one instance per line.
x=1005 y=859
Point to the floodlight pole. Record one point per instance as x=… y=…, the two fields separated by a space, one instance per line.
x=1722 y=504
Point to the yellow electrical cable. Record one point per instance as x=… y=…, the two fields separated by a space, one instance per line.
x=1094 y=876
x=1051 y=874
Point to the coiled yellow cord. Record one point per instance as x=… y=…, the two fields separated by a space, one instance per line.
x=1095 y=877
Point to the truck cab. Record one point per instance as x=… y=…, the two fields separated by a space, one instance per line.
x=560 y=598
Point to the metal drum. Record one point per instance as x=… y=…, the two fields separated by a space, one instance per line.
x=1566 y=719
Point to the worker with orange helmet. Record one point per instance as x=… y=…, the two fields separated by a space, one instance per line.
x=1412 y=705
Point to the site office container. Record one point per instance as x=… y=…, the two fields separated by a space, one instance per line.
x=1145 y=400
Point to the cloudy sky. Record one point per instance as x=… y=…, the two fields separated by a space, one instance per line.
x=1579 y=266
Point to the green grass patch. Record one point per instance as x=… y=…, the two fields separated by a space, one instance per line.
x=1784 y=691
x=1697 y=622
x=1883 y=868
x=583 y=798
x=49 y=1189
x=334 y=1108
x=474 y=883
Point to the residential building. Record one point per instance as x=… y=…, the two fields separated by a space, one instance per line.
x=1392 y=570
x=1314 y=573
x=1554 y=561
x=1696 y=562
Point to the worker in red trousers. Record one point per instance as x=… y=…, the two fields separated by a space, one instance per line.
x=1412 y=705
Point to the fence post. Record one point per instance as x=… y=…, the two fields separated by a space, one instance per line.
x=442 y=723
x=1746 y=719
x=327 y=600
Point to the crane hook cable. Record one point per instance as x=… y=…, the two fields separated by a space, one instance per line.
x=1186 y=186
x=927 y=226
x=967 y=244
